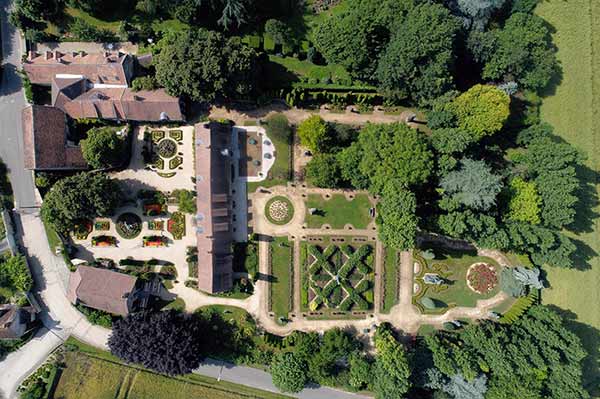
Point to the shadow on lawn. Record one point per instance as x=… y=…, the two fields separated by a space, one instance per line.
x=590 y=338
x=586 y=215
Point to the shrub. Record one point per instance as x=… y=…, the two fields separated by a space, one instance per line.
x=428 y=303
x=85 y=32
x=176 y=225
x=186 y=199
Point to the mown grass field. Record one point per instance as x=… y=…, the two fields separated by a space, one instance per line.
x=91 y=374
x=391 y=280
x=338 y=211
x=573 y=108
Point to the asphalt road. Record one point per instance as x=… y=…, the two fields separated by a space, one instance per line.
x=12 y=102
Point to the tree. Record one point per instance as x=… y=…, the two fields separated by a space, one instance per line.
x=391 y=367
x=360 y=372
x=186 y=200
x=234 y=13
x=14 y=272
x=396 y=217
x=394 y=152
x=478 y=12
x=85 y=32
x=537 y=350
x=279 y=32
x=523 y=50
x=421 y=72
x=81 y=196
x=528 y=277
x=102 y=148
x=144 y=83
x=314 y=134
x=323 y=171
x=349 y=160
x=481 y=110
x=509 y=283
x=355 y=37
x=204 y=65
x=168 y=342
x=473 y=185
x=451 y=140
x=460 y=388
x=288 y=371
x=525 y=202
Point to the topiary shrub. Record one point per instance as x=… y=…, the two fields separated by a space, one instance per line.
x=428 y=303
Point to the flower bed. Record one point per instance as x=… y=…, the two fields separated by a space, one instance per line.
x=159 y=163
x=155 y=241
x=175 y=162
x=102 y=225
x=104 y=241
x=176 y=225
x=176 y=135
x=482 y=278
x=129 y=225
x=153 y=209
x=157 y=135
x=167 y=148
x=279 y=210
x=156 y=225
x=166 y=175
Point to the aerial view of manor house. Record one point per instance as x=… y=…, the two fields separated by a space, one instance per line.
x=332 y=199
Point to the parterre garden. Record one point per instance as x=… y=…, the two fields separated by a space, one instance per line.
x=337 y=276
x=161 y=151
x=445 y=279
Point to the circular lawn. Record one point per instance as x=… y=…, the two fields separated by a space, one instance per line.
x=279 y=210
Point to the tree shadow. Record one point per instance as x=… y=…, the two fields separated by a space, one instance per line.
x=557 y=77
x=582 y=256
x=585 y=214
x=590 y=339
x=11 y=81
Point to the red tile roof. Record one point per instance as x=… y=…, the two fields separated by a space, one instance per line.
x=45 y=140
x=104 y=67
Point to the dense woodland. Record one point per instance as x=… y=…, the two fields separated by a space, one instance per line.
x=482 y=168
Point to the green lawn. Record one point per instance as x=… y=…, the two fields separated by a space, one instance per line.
x=457 y=292
x=310 y=70
x=338 y=211
x=94 y=374
x=303 y=20
x=573 y=111
x=53 y=239
x=281 y=274
x=390 y=275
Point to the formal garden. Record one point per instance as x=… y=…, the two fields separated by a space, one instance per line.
x=444 y=279
x=279 y=210
x=162 y=151
x=337 y=276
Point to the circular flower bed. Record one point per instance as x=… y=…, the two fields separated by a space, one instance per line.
x=279 y=210
x=167 y=148
x=129 y=225
x=482 y=278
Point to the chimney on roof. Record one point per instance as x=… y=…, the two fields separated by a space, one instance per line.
x=74 y=54
x=82 y=53
x=48 y=55
x=31 y=55
x=57 y=54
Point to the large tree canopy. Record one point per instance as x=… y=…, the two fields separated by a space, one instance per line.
x=418 y=61
x=205 y=65
x=394 y=152
x=537 y=354
x=82 y=196
x=168 y=342
x=473 y=185
x=289 y=372
x=102 y=148
x=482 y=110
x=391 y=367
x=521 y=50
x=355 y=37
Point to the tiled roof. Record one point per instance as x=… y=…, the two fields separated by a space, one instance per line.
x=45 y=140
x=101 y=289
x=105 y=67
x=213 y=221
x=125 y=104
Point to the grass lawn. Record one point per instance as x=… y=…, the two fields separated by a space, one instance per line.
x=310 y=70
x=303 y=20
x=53 y=239
x=338 y=211
x=457 y=292
x=390 y=283
x=573 y=111
x=94 y=374
x=281 y=273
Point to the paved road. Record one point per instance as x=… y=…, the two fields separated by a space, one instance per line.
x=12 y=102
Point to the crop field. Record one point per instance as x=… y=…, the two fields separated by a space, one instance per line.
x=573 y=108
